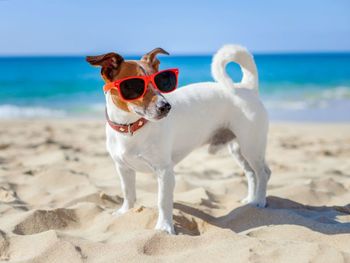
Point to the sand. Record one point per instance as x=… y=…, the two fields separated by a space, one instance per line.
x=58 y=189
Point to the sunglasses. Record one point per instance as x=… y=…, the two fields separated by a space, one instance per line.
x=133 y=88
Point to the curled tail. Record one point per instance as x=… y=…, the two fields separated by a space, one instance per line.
x=241 y=56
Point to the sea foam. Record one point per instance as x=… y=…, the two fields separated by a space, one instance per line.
x=8 y=111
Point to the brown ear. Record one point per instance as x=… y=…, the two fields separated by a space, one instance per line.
x=109 y=62
x=151 y=58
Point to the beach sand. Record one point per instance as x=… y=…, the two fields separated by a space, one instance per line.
x=58 y=189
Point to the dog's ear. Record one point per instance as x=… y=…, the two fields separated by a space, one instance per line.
x=109 y=64
x=151 y=58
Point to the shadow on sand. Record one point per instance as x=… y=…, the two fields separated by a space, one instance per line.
x=279 y=211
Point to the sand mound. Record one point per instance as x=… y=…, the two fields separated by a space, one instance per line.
x=44 y=220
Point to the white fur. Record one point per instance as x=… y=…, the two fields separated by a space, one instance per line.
x=198 y=111
x=241 y=56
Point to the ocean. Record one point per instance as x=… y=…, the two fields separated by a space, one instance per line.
x=294 y=87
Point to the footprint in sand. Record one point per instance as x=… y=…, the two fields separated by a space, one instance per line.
x=7 y=195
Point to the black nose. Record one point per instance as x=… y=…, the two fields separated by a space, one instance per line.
x=164 y=107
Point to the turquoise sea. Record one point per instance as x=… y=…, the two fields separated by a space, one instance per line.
x=294 y=87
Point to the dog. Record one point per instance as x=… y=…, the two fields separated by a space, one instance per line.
x=151 y=134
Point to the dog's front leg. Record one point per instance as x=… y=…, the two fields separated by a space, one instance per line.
x=127 y=182
x=166 y=184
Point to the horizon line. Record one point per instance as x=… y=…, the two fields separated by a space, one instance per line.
x=185 y=54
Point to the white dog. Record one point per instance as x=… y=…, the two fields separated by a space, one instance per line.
x=156 y=131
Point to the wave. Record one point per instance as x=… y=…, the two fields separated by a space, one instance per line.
x=331 y=100
x=308 y=99
x=8 y=111
x=337 y=93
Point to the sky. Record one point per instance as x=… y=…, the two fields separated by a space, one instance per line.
x=81 y=27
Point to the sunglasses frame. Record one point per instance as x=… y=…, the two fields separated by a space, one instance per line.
x=146 y=79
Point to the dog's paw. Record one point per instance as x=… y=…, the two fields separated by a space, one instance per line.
x=258 y=203
x=165 y=227
x=261 y=203
x=246 y=200
x=120 y=211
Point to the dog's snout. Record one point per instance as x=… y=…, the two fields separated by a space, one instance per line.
x=164 y=107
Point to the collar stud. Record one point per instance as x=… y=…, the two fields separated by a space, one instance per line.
x=126 y=128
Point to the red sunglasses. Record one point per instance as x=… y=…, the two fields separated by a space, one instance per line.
x=133 y=88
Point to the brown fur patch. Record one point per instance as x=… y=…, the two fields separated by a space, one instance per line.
x=128 y=69
x=151 y=59
x=109 y=63
x=121 y=104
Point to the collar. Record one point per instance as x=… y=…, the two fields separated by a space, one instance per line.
x=126 y=128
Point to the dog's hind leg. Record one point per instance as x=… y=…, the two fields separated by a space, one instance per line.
x=262 y=175
x=127 y=181
x=254 y=154
x=248 y=171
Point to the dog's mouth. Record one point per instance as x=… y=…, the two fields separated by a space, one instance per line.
x=162 y=116
x=152 y=115
x=154 y=112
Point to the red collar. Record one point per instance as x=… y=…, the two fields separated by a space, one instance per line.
x=126 y=128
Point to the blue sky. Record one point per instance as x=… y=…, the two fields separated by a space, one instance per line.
x=68 y=27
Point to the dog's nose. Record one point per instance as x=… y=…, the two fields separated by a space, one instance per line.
x=164 y=107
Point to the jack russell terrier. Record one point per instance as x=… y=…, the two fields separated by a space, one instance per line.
x=151 y=126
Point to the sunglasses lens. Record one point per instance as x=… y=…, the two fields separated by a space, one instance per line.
x=132 y=88
x=165 y=81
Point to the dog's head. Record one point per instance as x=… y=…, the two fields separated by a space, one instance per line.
x=153 y=105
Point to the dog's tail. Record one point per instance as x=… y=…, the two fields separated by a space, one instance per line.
x=241 y=56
